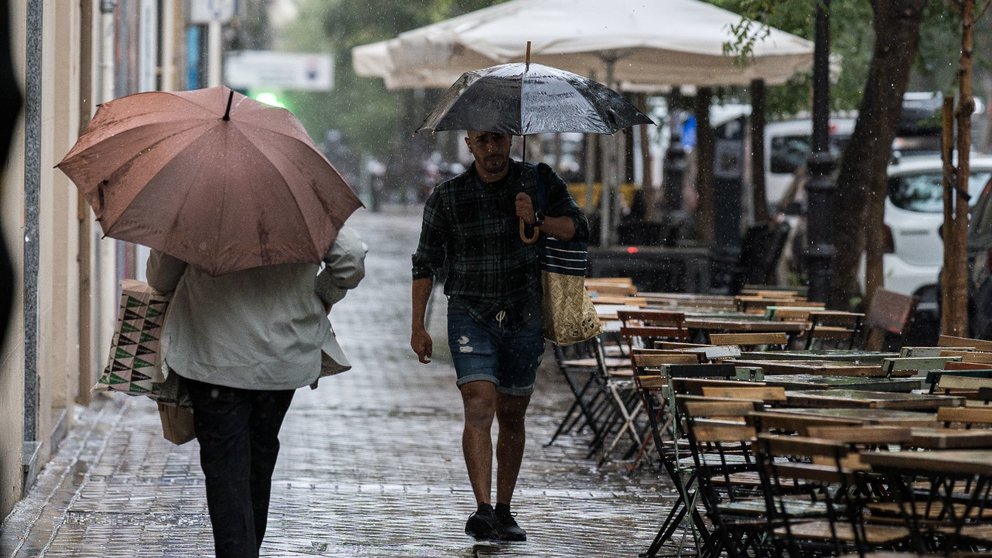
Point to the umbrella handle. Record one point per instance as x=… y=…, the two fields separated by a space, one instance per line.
x=523 y=233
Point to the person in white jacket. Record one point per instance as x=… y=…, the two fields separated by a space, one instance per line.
x=242 y=343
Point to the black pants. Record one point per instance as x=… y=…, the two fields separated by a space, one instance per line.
x=238 y=431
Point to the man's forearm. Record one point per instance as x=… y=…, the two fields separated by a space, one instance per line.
x=421 y=293
x=562 y=228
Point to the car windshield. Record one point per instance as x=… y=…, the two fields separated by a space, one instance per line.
x=789 y=152
x=924 y=192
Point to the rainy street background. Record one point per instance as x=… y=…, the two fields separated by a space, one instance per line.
x=370 y=464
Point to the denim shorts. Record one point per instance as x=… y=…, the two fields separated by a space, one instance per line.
x=502 y=354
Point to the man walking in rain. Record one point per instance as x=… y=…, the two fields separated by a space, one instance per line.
x=494 y=307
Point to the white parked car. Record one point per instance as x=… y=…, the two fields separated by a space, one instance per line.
x=914 y=211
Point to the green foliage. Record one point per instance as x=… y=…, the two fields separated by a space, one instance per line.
x=361 y=108
x=368 y=114
x=851 y=43
x=852 y=39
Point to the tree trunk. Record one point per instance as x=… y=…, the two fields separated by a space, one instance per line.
x=705 y=146
x=874 y=277
x=760 y=199
x=957 y=288
x=897 y=33
x=947 y=181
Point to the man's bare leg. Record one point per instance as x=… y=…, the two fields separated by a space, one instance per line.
x=510 y=411
x=479 y=399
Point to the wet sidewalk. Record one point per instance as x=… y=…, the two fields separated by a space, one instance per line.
x=370 y=465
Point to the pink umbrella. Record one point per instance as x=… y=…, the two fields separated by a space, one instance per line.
x=211 y=177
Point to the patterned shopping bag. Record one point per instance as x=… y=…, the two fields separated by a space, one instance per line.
x=569 y=314
x=135 y=363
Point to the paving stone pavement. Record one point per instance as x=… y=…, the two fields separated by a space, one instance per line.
x=370 y=465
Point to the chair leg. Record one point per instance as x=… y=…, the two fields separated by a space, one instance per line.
x=627 y=416
x=578 y=409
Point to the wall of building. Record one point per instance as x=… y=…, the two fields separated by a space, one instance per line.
x=12 y=351
x=69 y=57
x=32 y=188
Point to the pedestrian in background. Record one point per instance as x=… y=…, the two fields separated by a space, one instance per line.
x=494 y=307
x=243 y=342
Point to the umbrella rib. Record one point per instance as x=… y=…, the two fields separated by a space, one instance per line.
x=309 y=146
x=186 y=197
x=127 y=133
x=262 y=153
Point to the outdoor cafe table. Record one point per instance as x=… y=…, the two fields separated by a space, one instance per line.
x=689 y=300
x=951 y=438
x=819 y=368
x=741 y=325
x=609 y=312
x=799 y=382
x=881 y=417
x=849 y=398
x=972 y=461
x=832 y=355
x=907 y=468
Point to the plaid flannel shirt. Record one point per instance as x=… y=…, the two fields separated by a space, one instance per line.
x=472 y=227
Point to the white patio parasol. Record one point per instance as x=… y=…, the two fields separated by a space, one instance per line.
x=661 y=43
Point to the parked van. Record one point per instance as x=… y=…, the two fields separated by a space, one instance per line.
x=788 y=144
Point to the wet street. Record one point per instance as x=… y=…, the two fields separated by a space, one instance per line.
x=370 y=465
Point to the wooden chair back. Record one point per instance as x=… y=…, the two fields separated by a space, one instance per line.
x=863 y=438
x=786 y=423
x=654 y=360
x=966 y=366
x=907 y=351
x=694 y=386
x=788 y=314
x=651 y=318
x=917 y=364
x=770 y=340
x=953 y=341
x=933 y=377
x=829 y=328
x=623 y=300
x=950 y=384
x=607 y=287
x=983 y=357
x=966 y=417
x=642 y=328
x=888 y=316
x=764 y=393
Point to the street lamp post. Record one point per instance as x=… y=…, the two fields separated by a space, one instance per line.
x=820 y=251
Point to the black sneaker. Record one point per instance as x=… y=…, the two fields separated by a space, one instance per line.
x=508 y=528
x=482 y=525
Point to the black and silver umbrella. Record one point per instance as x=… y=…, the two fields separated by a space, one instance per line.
x=523 y=98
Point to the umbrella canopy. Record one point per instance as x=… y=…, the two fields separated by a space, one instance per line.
x=373 y=60
x=523 y=99
x=211 y=177
x=657 y=43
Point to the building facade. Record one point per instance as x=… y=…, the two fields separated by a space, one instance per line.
x=68 y=56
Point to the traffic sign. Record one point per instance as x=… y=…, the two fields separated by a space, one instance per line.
x=207 y=11
x=247 y=69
